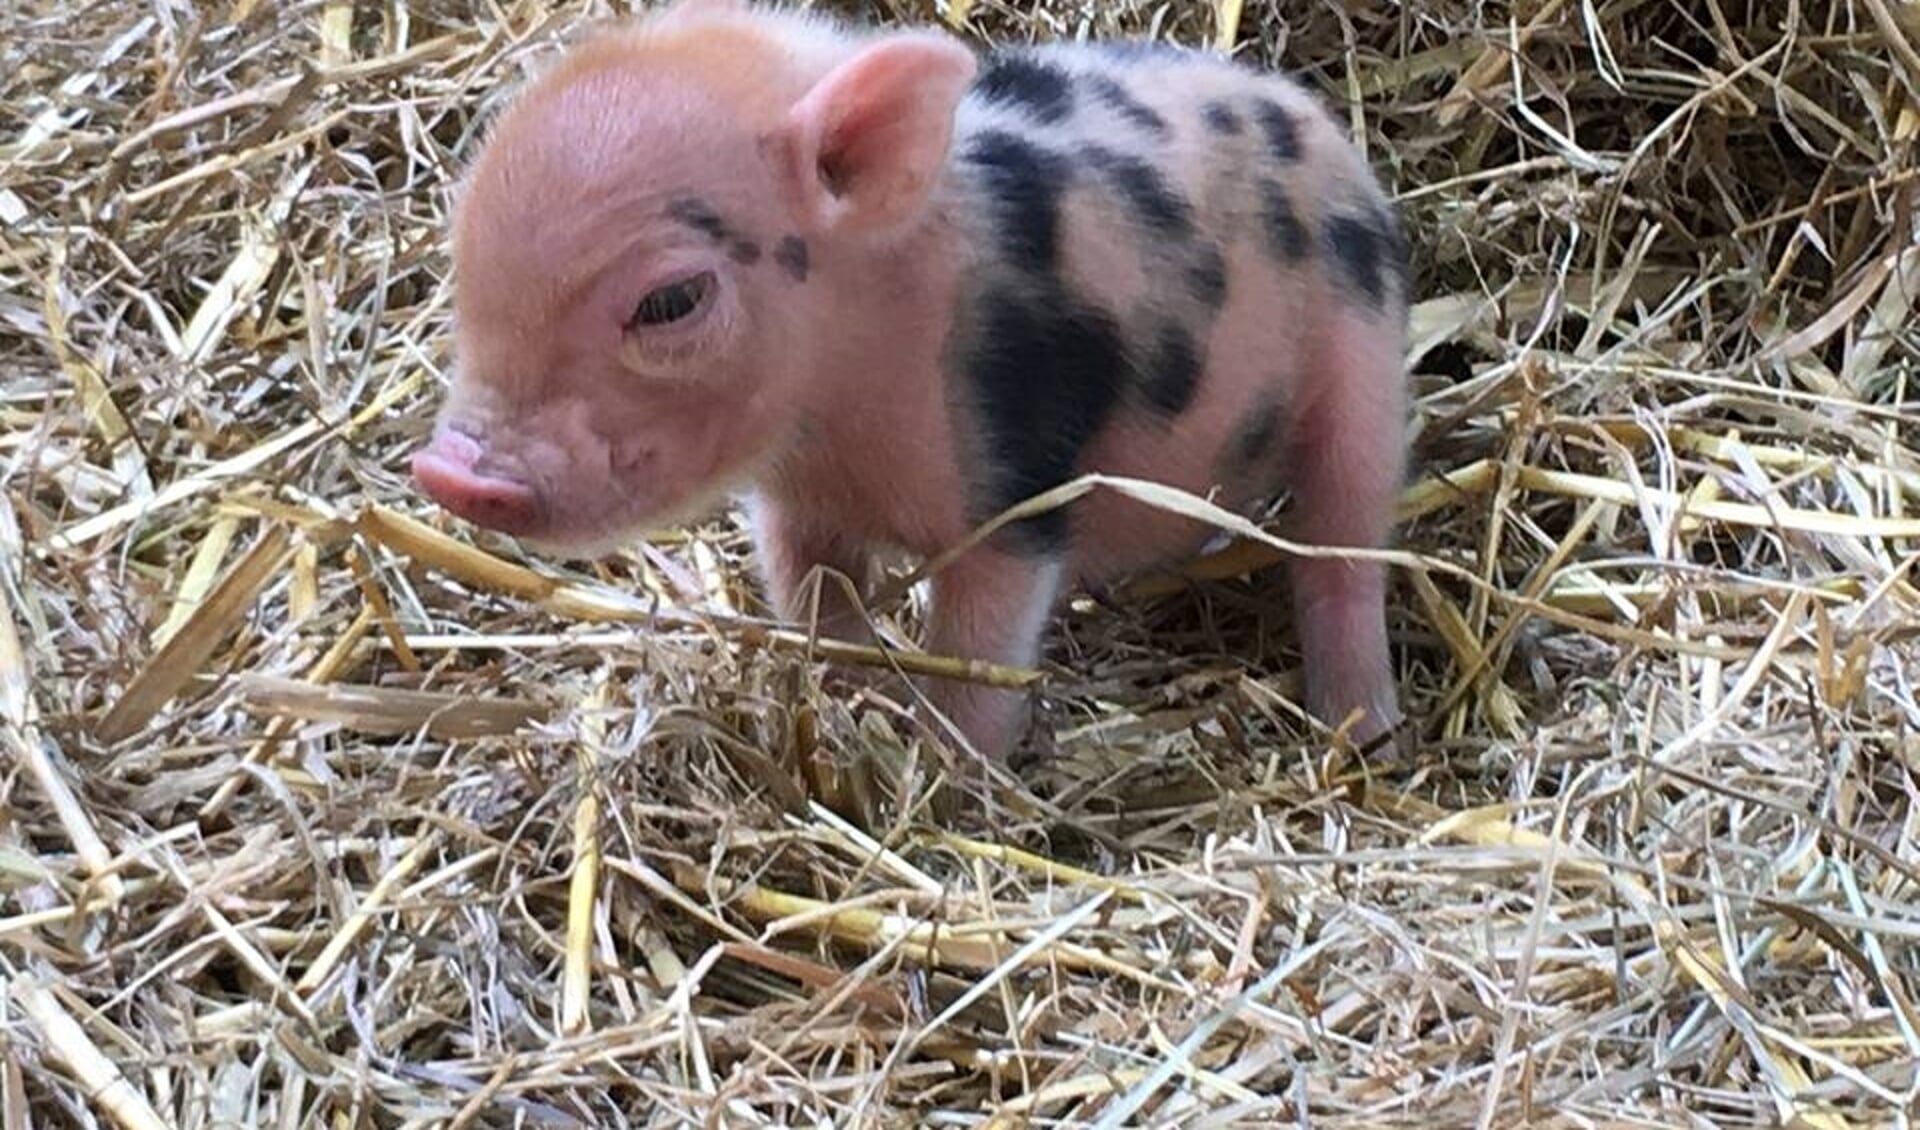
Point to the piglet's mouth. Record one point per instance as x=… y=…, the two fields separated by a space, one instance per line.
x=448 y=470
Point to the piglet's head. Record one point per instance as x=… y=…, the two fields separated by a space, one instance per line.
x=644 y=257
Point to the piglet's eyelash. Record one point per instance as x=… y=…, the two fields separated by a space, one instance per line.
x=673 y=302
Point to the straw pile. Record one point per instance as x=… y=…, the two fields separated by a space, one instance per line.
x=322 y=810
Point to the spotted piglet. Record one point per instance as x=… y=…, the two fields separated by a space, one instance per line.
x=884 y=288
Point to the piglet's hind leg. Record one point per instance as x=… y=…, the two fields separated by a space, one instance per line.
x=989 y=605
x=1349 y=454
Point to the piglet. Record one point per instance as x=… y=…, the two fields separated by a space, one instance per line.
x=882 y=288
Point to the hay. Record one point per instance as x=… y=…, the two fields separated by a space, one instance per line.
x=325 y=812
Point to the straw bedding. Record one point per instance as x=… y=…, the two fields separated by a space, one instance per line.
x=323 y=810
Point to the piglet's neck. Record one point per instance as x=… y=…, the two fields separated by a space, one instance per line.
x=876 y=408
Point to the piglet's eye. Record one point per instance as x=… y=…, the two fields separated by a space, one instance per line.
x=667 y=304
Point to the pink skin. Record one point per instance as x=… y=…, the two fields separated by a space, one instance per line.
x=827 y=400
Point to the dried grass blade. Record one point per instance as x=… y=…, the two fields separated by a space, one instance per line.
x=96 y=399
x=208 y=556
x=390 y=710
x=256 y=963
x=99 y=1078
x=922 y=940
x=1019 y=959
x=576 y=983
x=1733 y=513
x=245 y=274
x=179 y=659
x=336 y=33
x=1227 y=33
x=377 y=602
x=1040 y=865
x=1469 y=655
x=28 y=747
x=182 y=489
x=328 y=668
x=362 y=917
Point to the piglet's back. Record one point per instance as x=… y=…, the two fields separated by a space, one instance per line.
x=1172 y=252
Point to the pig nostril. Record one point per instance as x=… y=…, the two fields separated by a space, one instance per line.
x=462 y=442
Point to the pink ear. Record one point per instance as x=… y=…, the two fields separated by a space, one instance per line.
x=864 y=146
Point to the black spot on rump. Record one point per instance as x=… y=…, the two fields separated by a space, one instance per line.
x=1253 y=438
x=1207 y=277
x=1172 y=370
x=1011 y=79
x=792 y=255
x=1221 y=119
x=1046 y=371
x=1127 y=106
x=1279 y=128
x=1286 y=234
x=1145 y=190
x=1395 y=254
x=698 y=215
x=1363 y=252
x=1026 y=182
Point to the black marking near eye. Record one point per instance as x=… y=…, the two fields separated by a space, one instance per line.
x=744 y=251
x=1127 y=106
x=1026 y=182
x=1144 y=189
x=1286 y=234
x=792 y=255
x=1221 y=119
x=664 y=305
x=1207 y=277
x=1282 y=132
x=1254 y=437
x=700 y=216
x=1046 y=373
x=1016 y=80
x=1172 y=370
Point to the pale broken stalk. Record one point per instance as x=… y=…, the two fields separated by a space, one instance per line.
x=576 y=984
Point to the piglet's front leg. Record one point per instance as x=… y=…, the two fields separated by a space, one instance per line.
x=789 y=548
x=989 y=605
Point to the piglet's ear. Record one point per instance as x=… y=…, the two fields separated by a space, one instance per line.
x=865 y=145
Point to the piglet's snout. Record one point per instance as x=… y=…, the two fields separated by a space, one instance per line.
x=449 y=470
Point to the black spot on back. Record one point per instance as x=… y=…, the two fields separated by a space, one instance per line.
x=1279 y=128
x=1360 y=249
x=792 y=255
x=1144 y=189
x=1207 y=277
x=1286 y=234
x=1221 y=119
x=1172 y=370
x=1025 y=181
x=1254 y=437
x=1046 y=372
x=1395 y=255
x=1127 y=106
x=698 y=215
x=744 y=251
x=1010 y=79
